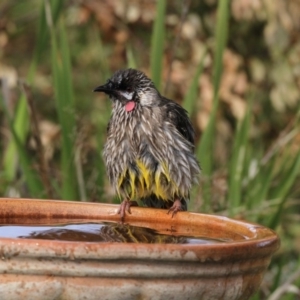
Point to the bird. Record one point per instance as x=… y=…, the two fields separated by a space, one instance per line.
x=149 y=148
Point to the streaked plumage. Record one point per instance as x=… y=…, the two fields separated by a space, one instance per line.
x=149 y=152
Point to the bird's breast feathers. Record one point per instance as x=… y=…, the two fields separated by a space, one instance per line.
x=145 y=156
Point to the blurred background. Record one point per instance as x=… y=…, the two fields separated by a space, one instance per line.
x=234 y=65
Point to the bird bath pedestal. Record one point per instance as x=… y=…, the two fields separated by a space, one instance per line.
x=172 y=268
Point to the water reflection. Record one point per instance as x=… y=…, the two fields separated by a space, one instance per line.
x=100 y=233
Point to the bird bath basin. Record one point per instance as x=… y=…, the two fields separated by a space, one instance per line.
x=73 y=250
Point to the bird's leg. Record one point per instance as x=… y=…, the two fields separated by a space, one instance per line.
x=175 y=207
x=125 y=207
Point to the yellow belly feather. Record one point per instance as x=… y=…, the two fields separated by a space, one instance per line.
x=146 y=183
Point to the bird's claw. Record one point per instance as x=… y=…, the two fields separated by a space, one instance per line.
x=125 y=207
x=176 y=207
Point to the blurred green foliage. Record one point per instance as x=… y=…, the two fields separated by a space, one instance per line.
x=234 y=65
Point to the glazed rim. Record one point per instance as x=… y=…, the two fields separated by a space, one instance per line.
x=248 y=240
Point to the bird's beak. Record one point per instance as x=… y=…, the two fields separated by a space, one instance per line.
x=105 y=89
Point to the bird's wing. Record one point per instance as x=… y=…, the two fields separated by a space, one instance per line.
x=179 y=117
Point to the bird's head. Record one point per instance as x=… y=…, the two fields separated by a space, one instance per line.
x=131 y=88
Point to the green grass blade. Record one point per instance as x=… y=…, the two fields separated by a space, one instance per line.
x=131 y=61
x=68 y=112
x=221 y=40
x=238 y=161
x=61 y=67
x=67 y=86
x=278 y=274
x=191 y=95
x=282 y=190
x=102 y=117
x=204 y=150
x=205 y=146
x=20 y=125
x=29 y=174
x=103 y=67
x=256 y=296
x=157 y=43
x=43 y=34
x=258 y=188
x=21 y=118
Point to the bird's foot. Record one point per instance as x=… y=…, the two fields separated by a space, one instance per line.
x=125 y=207
x=176 y=207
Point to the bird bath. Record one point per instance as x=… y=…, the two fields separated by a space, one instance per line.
x=190 y=256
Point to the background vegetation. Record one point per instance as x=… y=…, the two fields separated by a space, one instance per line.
x=234 y=65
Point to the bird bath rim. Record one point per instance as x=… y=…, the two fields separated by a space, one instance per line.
x=247 y=238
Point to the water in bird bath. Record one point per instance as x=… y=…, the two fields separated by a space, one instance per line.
x=102 y=233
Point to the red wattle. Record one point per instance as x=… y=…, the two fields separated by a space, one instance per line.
x=129 y=106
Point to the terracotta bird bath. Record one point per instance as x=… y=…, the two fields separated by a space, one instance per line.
x=47 y=252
